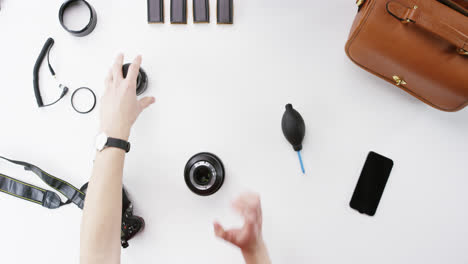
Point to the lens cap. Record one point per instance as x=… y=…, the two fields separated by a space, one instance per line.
x=204 y=174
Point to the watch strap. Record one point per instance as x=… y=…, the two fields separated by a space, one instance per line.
x=118 y=143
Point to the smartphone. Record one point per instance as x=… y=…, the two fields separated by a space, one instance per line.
x=371 y=184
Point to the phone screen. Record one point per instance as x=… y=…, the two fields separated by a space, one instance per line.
x=371 y=184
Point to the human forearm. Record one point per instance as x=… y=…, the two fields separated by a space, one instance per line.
x=258 y=256
x=102 y=214
x=100 y=230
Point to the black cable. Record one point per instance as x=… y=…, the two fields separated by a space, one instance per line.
x=48 y=62
x=37 y=66
x=64 y=92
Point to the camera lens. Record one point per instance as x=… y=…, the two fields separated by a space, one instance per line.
x=142 y=79
x=204 y=174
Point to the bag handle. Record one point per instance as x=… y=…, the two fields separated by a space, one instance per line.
x=416 y=15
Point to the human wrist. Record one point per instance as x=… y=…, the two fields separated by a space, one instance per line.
x=256 y=254
x=119 y=133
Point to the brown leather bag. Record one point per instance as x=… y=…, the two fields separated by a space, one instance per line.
x=420 y=46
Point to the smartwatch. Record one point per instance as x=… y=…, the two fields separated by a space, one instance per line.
x=103 y=141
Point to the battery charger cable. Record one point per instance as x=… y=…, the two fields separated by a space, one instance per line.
x=37 y=66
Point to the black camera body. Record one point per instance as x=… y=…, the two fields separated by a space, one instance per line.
x=131 y=224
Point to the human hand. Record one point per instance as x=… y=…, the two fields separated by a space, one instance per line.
x=119 y=105
x=248 y=238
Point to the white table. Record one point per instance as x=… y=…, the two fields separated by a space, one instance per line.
x=223 y=89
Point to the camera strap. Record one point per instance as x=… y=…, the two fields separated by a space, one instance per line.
x=29 y=192
x=131 y=224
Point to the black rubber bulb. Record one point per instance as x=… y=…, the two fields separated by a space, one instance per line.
x=293 y=127
x=294 y=130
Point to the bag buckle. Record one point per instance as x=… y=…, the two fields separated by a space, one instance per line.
x=359 y=3
x=398 y=80
x=409 y=20
x=462 y=52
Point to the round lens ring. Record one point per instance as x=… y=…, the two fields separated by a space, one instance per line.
x=83 y=89
x=202 y=175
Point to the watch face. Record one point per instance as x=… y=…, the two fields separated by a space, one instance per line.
x=101 y=141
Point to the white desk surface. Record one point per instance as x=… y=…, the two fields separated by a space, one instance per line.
x=223 y=89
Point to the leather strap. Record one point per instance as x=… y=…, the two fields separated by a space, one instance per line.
x=416 y=15
x=38 y=195
x=457 y=5
x=118 y=143
x=92 y=20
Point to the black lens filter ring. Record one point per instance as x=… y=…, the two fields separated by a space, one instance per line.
x=142 y=79
x=204 y=174
x=88 y=28
x=82 y=89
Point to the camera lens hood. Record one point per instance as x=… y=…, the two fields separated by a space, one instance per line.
x=88 y=28
x=204 y=174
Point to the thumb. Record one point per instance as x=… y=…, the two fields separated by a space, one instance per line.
x=230 y=236
x=145 y=102
x=219 y=230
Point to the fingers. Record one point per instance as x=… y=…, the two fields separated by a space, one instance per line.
x=117 y=68
x=108 y=80
x=244 y=210
x=229 y=235
x=250 y=199
x=134 y=69
x=251 y=223
x=248 y=204
x=145 y=102
x=219 y=230
x=251 y=220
